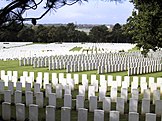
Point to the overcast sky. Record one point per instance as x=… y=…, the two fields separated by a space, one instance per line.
x=92 y=12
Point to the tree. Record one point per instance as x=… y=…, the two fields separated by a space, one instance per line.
x=15 y=9
x=27 y=34
x=41 y=33
x=98 y=34
x=145 y=24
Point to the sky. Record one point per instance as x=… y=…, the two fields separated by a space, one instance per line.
x=91 y=12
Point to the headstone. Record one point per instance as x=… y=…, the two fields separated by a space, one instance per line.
x=52 y=99
x=19 y=86
x=82 y=114
x=36 y=88
x=98 y=115
x=27 y=86
x=79 y=101
x=102 y=92
x=18 y=97
x=146 y=94
x=7 y=96
x=39 y=99
x=133 y=116
x=76 y=78
x=6 y=111
x=20 y=112
x=145 y=106
x=133 y=103
x=106 y=104
x=10 y=87
x=33 y=112
x=91 y=91
x=93 y=103
x=120 y=105
x=113 y=94
x=124 y=94
x=158 y=107
x=1 y=87
x=156 y=95
x=23 y=80
x=50 y=113
x=59 y=91
x=150 y=117
x=67 y=100
x=65 y=114
x=48 y=89
x=82 y=90
x=119 y=80
x=114 y=116
x=135 y=94
x=29 y=98
x=67 y=90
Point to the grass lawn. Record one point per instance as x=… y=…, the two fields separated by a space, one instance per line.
x=76 y=49
x=14 y=66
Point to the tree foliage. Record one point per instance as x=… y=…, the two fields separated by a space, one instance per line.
x=145 y=24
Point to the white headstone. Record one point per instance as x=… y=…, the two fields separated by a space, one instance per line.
x=82 y=90
x=36 y=88
x=50 y=113
x=67 y=100
x=59 y=91
x=120 y=105
x=156 y=95
x=91 y=91
x=20 y=112
x=114 y=116
x=1 y=87
x=65 y=114
x=6 y=111
x=76 y=78
x=113 y=94
x=7 y=96
x=29 y=98
x=10 y=87
x=33 y=112
x=19 y=86
x=52 y=99
x=93 y=103
x=82 y=114
x=79 y=101
x=106 y=104
x=39 y=99
x=158 y=107
x=145 y=106
x=146 y=94
x=133 y=103
x=48 y=89
x=133 y=116
x=98 y=115
x=27 y=86
x=150 y=117
x=18 y=97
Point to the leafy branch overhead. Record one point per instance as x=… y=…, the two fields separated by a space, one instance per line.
x=15 y=9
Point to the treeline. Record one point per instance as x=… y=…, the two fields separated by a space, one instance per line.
x=68 y=33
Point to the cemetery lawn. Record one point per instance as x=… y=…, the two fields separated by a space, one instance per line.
x=13 y=65
x=76 y=49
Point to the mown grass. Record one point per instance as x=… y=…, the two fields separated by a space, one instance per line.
x=76 y=49
x=14 y=66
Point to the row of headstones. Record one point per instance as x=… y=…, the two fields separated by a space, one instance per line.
x=66 y=114
x=144 y=69
x=43 y=61
x=67 y=90
x=75 y=80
